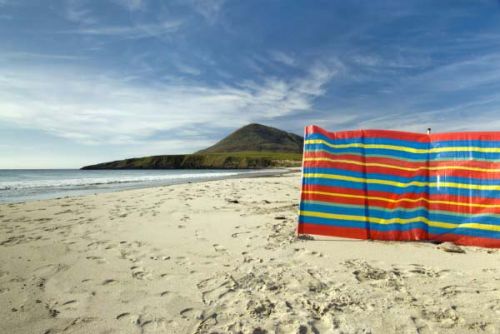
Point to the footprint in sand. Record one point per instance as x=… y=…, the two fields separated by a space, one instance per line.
x=218 y=248
x=303 y=251
x=235 y=235
x=97 y=259
x=421 y=270
x=187 y=312
x=69 y=302
x=109 y=282
x=140 y=273
x=318 y=254
x=123 y=316
x=213 y=289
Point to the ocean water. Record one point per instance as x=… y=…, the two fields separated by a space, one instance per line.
x=27 y=185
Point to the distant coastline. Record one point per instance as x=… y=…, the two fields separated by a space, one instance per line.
x=253 y=146
x=237 y=160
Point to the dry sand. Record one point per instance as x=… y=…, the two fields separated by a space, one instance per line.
x=222 y=257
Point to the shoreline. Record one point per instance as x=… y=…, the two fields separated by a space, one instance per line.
x=126 y=186
x=222 y=256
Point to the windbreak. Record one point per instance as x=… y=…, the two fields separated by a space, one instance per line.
x=391 y=185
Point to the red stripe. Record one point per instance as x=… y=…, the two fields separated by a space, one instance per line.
x=397 y=235
x=482 y=136
x=410 y=235
x=346 y=232
x=402 y=163
x=403 y=173
x=467 y=240
x=410 y=136
x=466 y=163
x=411 y=196
x=390 y=134
x=363 y=169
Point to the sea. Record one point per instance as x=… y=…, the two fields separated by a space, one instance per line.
x=21 y=185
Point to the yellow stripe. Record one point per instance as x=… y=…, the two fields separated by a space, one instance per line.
x=373 y=164
x=404 y=185
x=400 y=221
x=492 y=206
x=407 y=149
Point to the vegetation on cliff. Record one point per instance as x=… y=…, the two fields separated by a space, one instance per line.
x=253 y=146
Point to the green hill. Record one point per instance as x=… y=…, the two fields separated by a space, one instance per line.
x=258 y=138
x=253 y=146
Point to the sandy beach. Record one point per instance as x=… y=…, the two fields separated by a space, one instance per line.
x=222 y=257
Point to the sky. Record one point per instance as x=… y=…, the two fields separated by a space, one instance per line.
x=85 y=81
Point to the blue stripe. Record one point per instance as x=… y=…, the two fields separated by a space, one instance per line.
x=372 y=151
x=395 y=154
x=360 y=174
x=400 y=192
x=403 y=179
x=378 y=141
x=377 y=212
x=461 y=143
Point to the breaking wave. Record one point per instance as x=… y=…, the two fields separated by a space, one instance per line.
x=96 y=181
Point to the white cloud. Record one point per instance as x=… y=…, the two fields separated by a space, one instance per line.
x=458 y=96
x=132 y=32
x=187 y=69
x=131 y=5
x=477 y=115
x=22 y=55
x=283 y=58
x=209 y=9
x=94 y=108
x=77 y=12
x=462 y=75
x=419 y=122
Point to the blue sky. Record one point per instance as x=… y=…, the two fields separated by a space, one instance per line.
x=86 y=81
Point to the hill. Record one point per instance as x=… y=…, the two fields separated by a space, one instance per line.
x=258 y=138
x=252 y=146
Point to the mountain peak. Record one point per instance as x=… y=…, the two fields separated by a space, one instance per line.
x=259 y=138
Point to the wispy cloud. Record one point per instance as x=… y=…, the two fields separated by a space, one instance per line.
x=36 y=56
x=76 y=11
x=191 y=70
x=457 y=96
x=471 y=73
x=130 y=72
x=131 y=5
x=283 y=58
x=209 y=9
x=94 y=108
x=137 y=31
x=479 y=115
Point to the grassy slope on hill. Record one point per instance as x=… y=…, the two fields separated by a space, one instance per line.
x=207 y=161
x=257 y=137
